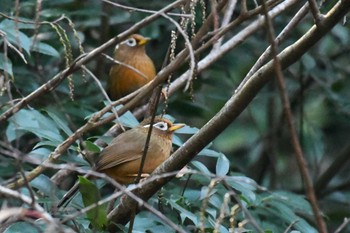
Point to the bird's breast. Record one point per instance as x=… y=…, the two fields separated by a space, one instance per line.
x=124 y=80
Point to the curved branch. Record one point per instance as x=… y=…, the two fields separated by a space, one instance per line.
x=57 y=79
x=232 y=109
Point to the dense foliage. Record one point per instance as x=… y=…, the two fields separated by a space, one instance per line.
x=246 y=180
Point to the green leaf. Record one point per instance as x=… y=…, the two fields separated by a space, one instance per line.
x=63 y=125
x=6 y=23
x=91 y=195
x=245 y=185
x=20 y=226
x=177 y=141
x=40 y=153
x=184 y=213
x=91 y=147
x=296 y=202
x=44 y=184
x=53 y=143
x=192 y=195
x=44 y=133
x=127 y=119
x=34 y=122
x=205 y=194
x=12 y=133
x=222 y=165
x=201 y=167
x=6 y=64
x=222 y=229
x=46 y=49
x=209 y=153
x=16 y=37
x=187 y=130
x=287 y=214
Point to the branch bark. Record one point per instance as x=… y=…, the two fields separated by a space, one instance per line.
x=231 y=110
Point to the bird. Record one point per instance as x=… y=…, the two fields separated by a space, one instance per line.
x=121 y=159
x=133 y=68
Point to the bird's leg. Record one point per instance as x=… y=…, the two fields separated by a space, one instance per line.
x=143 y=176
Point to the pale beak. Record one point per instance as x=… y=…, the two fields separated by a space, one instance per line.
x=176 y=127
x=144 y=41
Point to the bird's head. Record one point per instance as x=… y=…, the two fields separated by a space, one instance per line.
x=162 y=126
x=133 y=43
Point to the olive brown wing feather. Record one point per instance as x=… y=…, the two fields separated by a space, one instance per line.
x=124 y=148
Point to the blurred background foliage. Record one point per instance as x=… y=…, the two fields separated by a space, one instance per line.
x=256 y=146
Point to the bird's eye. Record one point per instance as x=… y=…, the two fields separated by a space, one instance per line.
x=161 y=125
x=131 y=42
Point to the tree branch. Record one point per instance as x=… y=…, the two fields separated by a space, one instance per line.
x=232 y=109
x=57 y=79
x=299 y=155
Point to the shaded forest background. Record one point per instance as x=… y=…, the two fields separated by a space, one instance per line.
x=247 y=178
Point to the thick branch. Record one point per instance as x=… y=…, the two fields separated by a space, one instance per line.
x=231 y=110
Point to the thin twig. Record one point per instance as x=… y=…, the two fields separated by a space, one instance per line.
x=4 y=36
x=188 y=44
x=27 y=200
x=230 y=44
x=231 y=4
x=280 y=38
x=318 y=17
x=125 y=65
x=248 y=215
x=126 y=191
x=290 y=226
x=233 y=107
x=18 y=20
x=335 y=167
x=310 y=192
x=223 y=209
x=89 y=56
x=99 y=84
x=143 y=158
x=343 y=225
x=222 y=31
x=129 y=8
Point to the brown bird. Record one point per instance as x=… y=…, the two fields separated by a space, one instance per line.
x=134 y=69
x=121 y=159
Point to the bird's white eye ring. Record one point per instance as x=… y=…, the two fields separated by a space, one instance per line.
x=130 y=42
x=159 y=125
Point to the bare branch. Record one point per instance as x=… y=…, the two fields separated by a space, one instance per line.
x=83 y=60
x=27 y=200
x=318 y=17
x=343 y=225
x=299 y=155
x=231 y=4
x=234 y=106
x=104 y=93
x=129 y=8
x=281 y=37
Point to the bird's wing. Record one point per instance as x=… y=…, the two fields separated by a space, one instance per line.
x=124 y=148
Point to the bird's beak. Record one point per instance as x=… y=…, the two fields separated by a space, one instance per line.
x=176 y=127
x=144 y=41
